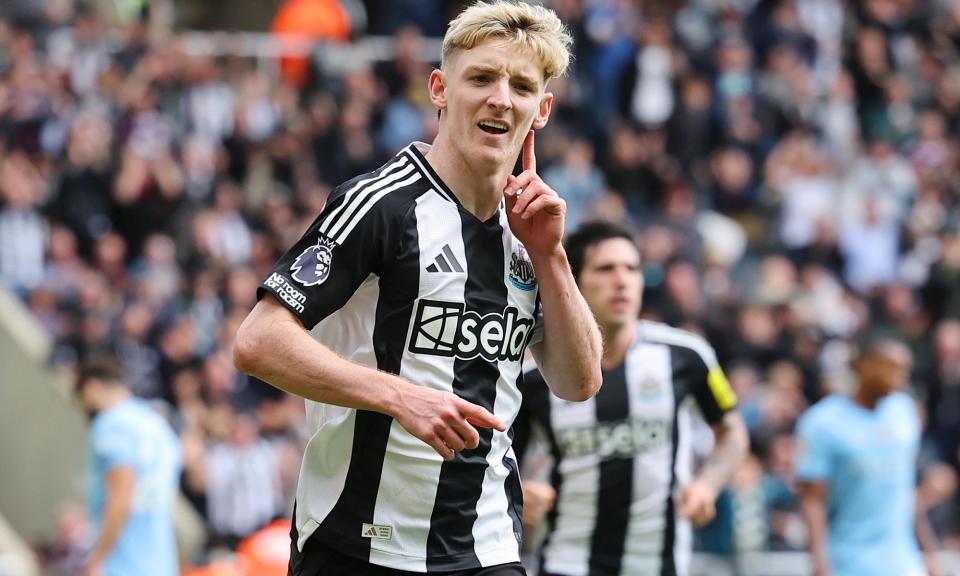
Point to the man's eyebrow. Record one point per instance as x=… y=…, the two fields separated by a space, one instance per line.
x=528 y=79
x=490 y=69
x=486 y=68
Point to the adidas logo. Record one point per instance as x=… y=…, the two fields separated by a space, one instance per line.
x=445 y=262
x=376 y=531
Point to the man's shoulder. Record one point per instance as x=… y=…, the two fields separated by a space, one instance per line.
x=824 y=414
x=399 y=179
x=901 y=405
x=651 y=332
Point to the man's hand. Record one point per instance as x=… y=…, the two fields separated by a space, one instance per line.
x=538 y=499
x=443 y=420
x=698 y=502
x=534 y=210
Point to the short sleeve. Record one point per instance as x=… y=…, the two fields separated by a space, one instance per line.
x=355 y=235
x=711 y=389
x=813 y=449
x=113 y=446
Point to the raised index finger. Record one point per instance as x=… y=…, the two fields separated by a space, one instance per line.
x=529 y=157
x=479 y=416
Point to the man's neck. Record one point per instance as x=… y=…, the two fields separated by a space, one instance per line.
x=113 y=398
x=862 y=397
x=479 y=189
x=616 y=342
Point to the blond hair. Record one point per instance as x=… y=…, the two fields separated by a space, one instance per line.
x=535 y=27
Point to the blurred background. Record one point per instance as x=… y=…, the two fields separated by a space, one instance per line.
x=792 y=168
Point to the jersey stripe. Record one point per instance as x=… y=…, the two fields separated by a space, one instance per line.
x=495 y=544
x=616 y=481
x=668 y=553
x=407 y=493
x=384 y=178
x=646 y=364
x=475 y=380
x=340 y=236
x=352 y=210
x=567 y=548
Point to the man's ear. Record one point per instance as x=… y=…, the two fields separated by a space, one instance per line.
x=437 y=88
x=543 y=114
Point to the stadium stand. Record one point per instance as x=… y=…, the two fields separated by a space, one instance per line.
x=791 y=166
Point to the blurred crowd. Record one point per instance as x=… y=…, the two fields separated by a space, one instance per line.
x=792 y=168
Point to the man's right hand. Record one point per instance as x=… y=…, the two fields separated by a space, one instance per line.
x=443 y=420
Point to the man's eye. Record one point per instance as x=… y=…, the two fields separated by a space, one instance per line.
x=523 y=87
x=481 y=78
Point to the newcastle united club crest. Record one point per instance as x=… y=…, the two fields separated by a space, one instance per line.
x=521 y=271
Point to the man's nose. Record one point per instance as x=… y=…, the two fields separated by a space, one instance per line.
x=500 y=95
x=621 y=276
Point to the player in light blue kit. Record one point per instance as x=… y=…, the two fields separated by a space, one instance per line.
x=134 y=464
x=856 y=470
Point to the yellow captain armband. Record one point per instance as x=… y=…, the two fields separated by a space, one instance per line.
x=720 y=387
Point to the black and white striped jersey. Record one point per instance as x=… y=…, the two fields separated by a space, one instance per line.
x=620 y=458
x=395 y=274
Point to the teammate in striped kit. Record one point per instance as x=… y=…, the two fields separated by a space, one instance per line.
x=622 y=461
x=403 y=314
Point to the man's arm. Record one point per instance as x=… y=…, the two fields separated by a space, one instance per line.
x=813 y=497
x=120 y=482
x=698 y=501
x=273 y=345
x=569 y=354
x=926 y=536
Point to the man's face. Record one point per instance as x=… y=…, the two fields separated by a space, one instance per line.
x=886 y=370
x=491 y=95
x=87 y=395
x=612 y=283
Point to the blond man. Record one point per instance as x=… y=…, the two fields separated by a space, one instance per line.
x=403 y=314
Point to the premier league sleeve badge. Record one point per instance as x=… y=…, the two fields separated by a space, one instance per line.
x=313 y=265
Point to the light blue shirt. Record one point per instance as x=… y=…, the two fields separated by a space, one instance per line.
x=133 y=434
x=868 y=459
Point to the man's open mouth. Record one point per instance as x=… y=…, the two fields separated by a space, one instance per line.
x=493 y=127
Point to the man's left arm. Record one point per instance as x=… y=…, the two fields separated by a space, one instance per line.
x=569 y=354
x=120 y=482
x=717 y=402
x=731 y=444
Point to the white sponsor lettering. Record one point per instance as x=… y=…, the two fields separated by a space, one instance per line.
x=614 y=439
x=445 y=329
x=286 y=292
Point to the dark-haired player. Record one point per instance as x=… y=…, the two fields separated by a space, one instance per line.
x=622 y=461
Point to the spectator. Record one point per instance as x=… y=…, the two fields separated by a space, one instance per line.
x=242 y=479
x=23 y=231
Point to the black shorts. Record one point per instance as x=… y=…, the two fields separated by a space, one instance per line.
x=318 y=560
